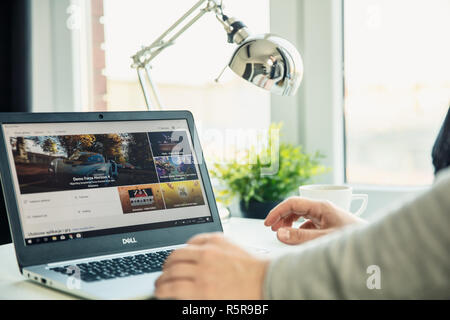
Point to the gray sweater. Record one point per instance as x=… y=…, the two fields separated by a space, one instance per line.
x=404 y=254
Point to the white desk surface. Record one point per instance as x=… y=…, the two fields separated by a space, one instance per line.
x=246 y=232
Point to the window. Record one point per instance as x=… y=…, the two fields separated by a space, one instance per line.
x=83 y=49
x=397 y=88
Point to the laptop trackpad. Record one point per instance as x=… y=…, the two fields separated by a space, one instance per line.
x=136 y=287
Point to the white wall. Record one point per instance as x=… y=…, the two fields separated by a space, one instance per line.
x=314 y=118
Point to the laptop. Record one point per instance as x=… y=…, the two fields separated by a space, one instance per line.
x=97 y=201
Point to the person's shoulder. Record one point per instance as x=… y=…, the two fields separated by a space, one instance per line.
x=441 y=186
x=443 y=176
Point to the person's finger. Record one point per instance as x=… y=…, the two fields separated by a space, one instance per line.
x=177 y=271
x=308 y=224
x=294 y=236
x=187 y=254
x=285 y=222
x=179 y=289
x=277 y=225
x=298 y=206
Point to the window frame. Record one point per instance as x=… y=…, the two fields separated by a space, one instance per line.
x=58 y=85
x=383 y=193
x=315 y=118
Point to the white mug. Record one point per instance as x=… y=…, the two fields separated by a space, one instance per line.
x=341 y=196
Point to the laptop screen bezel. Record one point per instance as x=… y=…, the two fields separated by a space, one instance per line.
x=108 y=244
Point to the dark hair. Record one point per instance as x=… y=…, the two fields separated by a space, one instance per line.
x=441 y=148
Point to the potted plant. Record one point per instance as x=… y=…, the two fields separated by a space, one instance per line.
x=259 y=192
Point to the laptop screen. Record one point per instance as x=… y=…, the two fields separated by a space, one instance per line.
x=80 y=180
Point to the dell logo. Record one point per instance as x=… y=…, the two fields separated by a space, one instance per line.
x=129 y=240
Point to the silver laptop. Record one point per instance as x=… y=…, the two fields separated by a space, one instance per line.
x=97 y=201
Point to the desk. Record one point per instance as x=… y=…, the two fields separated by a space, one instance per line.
x=246 y=232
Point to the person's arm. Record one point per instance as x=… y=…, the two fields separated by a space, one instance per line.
x=409 y=246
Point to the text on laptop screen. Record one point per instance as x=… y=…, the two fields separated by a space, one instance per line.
x=80 y=180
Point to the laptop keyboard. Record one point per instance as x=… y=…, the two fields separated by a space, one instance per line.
x=117 y=268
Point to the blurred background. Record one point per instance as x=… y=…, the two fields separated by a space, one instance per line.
x=397 y=86
x=375 y=92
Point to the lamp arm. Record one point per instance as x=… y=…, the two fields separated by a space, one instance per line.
x=142 y=59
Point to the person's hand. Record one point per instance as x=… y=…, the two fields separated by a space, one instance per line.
x=211 y=267
x=322 y=217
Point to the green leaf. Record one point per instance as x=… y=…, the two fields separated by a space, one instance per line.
x=244 y=179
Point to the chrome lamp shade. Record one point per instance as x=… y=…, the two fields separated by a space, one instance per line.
x=269 y=62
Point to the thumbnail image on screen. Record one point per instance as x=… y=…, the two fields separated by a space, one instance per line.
x=141 y=198
x=176 y=168
x=169 y=143
x=59 y=163
x=182 y=194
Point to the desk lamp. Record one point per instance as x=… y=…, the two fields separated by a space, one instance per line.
x=266 y=60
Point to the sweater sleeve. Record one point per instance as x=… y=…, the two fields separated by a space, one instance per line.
x=404 y=254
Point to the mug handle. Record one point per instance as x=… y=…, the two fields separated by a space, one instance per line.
x=365 y=200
